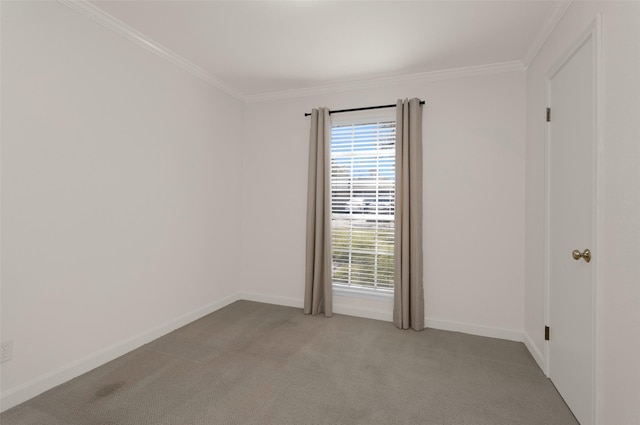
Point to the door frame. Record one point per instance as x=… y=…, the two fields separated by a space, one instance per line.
x=594 y=32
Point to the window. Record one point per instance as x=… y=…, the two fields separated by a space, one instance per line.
x=362 y=204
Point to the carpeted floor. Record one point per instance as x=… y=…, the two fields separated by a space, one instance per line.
x=252 y=363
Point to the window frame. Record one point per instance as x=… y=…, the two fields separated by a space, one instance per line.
x=358 y=118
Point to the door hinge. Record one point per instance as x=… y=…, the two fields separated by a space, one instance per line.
x=548 y=114
x=546 y=333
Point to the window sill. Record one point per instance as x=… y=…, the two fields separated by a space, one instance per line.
x=366 y=293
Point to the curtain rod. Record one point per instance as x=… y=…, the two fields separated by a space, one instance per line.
x=366 y=108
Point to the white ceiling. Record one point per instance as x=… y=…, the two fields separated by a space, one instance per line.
x=259 y=47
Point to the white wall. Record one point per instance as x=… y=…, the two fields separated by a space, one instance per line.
x=618 y=309
x=121 y=179
x=473 y=199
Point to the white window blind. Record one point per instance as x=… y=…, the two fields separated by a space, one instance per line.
x=362 y=204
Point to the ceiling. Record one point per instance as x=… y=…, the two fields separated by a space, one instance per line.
x=260 y=47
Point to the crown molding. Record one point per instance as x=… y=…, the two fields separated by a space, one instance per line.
x=546 y=29
x=446 y=74
x=101 y=17
x=96 y=14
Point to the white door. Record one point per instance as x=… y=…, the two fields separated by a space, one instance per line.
x=571 y=197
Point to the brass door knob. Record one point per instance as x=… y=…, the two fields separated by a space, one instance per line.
x=586 y=254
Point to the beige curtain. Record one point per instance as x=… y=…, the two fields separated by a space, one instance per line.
x=318 y=297
x=408 y=306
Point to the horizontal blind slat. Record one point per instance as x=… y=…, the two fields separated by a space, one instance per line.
x=362 y=204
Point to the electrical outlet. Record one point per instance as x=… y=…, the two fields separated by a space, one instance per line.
x=5 y=351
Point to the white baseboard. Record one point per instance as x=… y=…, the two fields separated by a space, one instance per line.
x=349 y=310
x=535 y=351
x=363 y=312
x=269 y=299
x=337 y=308
x=473 y=329
x=40 y=384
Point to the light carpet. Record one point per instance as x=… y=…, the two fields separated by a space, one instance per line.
x=253 y=363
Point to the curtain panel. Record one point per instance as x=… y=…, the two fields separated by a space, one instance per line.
x=318 y=285
x=408 y=303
